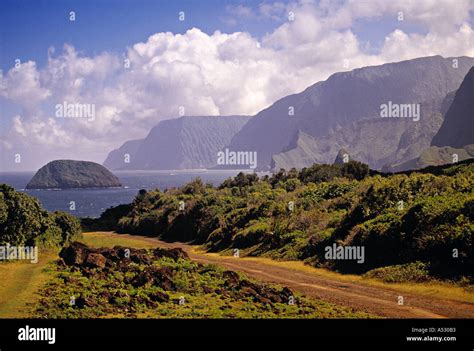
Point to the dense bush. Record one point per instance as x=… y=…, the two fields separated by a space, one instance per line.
x=240 y=180
x=69 y=226
x=398 y=219
x=410 y=272
x=24 y=222
x=324 y=173
x=109 y=219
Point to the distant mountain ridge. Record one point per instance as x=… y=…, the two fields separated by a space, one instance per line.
x=343 y=112
x=375 y=141
x=435 y=156
x=454 y=141
x=117 y=158
x=188 y=142
x=457 y=129
x=345 y=98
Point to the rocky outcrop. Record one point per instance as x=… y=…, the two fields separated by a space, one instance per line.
x=97 y=262
x=80 y=255
x=66 y=174
x=342 y=157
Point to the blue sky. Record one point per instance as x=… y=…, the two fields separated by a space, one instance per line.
x=29 y=28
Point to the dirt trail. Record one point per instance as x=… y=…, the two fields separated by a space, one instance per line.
x=375 y=300
x=20 y=282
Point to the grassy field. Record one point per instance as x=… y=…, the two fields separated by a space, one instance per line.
x=22 y=280
x=205 y=288
x=20 y=283
x=104 y=239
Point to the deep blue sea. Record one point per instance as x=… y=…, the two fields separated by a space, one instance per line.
x=92 y=202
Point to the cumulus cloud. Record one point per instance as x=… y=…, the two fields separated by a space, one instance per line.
x=22 y=85
x=213 y=74
x=401 y=45
x=439 y=16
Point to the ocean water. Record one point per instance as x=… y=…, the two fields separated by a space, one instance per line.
x=92 y=202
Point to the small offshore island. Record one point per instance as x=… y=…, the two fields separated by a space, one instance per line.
x=70 y=174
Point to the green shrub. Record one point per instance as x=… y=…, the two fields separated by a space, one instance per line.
x=415 y=272
x=418 y=216
x=24 y=222
x=69 y=226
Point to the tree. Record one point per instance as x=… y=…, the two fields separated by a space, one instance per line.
x=69 y=225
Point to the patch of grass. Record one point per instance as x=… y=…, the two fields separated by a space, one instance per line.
x=183 y=289
x=108 y=239
x=20 y=283
x=415 y=272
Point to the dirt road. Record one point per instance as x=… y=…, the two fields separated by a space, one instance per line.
x=383 y=302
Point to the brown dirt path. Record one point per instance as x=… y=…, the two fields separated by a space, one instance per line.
x=375 y=300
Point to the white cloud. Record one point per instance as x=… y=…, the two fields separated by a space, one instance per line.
x=212 y=74
x=22 y=85
x=400 y=45
x=440 y=16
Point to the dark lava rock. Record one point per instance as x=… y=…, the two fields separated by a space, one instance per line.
x=140 y=257
x=231 y=278
x=82 y=302
x=249 y=292
x=74 y=254
x=286 y=293
x=139 y=271
x=260 y=293
x=140 y=280
x=158 y=296
x=174 y=254
x=78 y=254
x=95 y=260
x=207 y=290
x=122 y=252
x=161 y=277
x=272 y=295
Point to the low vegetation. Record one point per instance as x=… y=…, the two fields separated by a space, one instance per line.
x=399 y=219
x=126 y=282
x=408 y=272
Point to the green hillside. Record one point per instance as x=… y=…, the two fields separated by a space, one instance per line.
x=399 y=219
